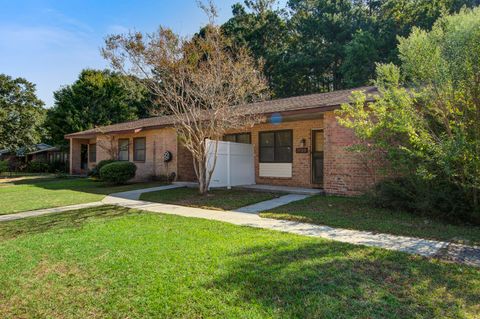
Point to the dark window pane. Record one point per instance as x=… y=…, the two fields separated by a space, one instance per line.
x=140 y=144
x=267 y=154
x=123 y=156
x=267 y=139
x=229 y=138
x=123 y=145
x=243 y=138
x=139 y=155
x=123 y=150
x=92 y=156
x=283 y=138
x=283 y=154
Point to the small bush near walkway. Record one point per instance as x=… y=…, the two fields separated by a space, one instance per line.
x=118 y=173
x=95 y=172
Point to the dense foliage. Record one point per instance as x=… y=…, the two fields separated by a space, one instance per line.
x=3 y=166
x=97 y=98
x=95 y=172
x=37 y=167
x=118 y=173
x=312 y=46
x=426 y=124
x=21 y=114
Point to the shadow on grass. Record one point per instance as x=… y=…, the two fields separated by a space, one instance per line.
x=335 y=280
x=71 y=219
x=82 y=184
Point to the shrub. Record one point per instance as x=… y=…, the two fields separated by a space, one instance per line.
x=37 y=167
x=3 y=166
x=57 y=167
x=95 y=172
x=118 y=172
x=434 y=197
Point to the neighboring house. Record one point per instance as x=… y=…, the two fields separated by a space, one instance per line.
x=39 y=152
x=300 y=144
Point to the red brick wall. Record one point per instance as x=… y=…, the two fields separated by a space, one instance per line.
x=186 y=172
x=301 y=166
x=345 y=173
x=157 y=142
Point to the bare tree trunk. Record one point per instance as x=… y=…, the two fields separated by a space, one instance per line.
x=202 y=178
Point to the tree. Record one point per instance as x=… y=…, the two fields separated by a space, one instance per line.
x=204 y=82
x=97 y=98
x=322 y=45
x=262 y=29
x=358 y=66
x=426 y=124
x=21 y=114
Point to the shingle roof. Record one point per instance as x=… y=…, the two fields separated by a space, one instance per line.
x=313 y=101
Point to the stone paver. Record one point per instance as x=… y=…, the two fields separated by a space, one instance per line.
x=272 y=203
x=33 y=213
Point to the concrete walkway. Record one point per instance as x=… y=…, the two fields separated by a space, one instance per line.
x=135 y=194
x=282 y=189
x=429 y=248
x=245 y=217
x=270 y=204
x=33 y=213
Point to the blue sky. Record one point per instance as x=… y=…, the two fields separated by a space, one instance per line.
x=49 y=42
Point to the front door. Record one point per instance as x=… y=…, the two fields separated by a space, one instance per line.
x=317 y=157
x=84 y=157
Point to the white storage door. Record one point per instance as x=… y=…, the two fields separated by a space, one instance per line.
x=235 y=164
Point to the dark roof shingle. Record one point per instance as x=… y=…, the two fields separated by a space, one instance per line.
x=312 y=101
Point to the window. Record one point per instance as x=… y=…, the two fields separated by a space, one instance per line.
x=139 y=147
x=123 y=149
x=276 y=147
x=92 y=153
x=244 y=138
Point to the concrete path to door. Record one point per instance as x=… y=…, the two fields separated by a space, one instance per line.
x=270 y=204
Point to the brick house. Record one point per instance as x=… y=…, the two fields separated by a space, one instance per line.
x=299 y=144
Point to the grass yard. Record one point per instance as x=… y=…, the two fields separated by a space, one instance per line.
x=219 y=199
x=356 y=213
x=112 y=262
x=37 y=193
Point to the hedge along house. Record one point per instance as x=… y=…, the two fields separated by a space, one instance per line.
x=300 y=144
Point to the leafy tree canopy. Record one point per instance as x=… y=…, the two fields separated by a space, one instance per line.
x=426 y=124
x=98 y=97
x=312 y=46
x=21 y=113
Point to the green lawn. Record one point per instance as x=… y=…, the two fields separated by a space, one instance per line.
x=37 y=193
x=220 y=199
x=113 y=263
x=357 y=213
